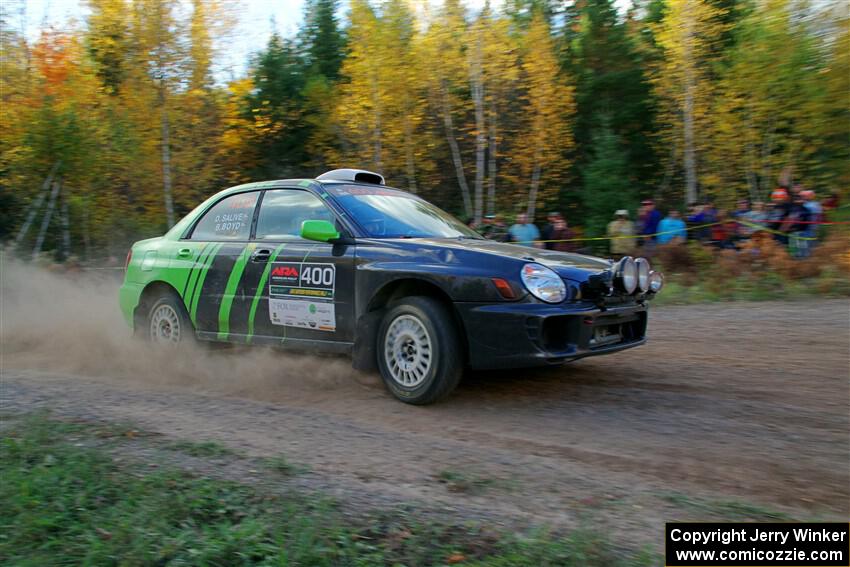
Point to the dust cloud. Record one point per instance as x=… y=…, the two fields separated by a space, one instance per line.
x=69 y=322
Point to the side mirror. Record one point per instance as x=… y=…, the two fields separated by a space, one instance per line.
x=319 y=230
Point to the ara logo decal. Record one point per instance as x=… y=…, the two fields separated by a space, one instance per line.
x=285 y=272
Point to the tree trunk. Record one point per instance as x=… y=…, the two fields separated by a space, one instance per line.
x=535 y=183
x=36 y=205
x=377 y=133
x=491 y=157
x=166 y=165
x=480 y=130
x=456 y=158
x=688 y=116
x=66 y=228
x=87 y=229
x=45 y=221
x=408 y=154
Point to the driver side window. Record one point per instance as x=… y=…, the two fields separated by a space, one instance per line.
x=283 y=210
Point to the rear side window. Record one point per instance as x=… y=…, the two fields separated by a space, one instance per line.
x=229 y=219
x=283 y=211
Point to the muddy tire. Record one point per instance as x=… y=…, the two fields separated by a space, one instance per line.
x=420 y=354
x=168 y=323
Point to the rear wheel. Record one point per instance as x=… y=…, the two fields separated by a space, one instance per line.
x=169 y=323
x=419 y=351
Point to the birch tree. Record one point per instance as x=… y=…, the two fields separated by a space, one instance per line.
x=548 y=107
x=443 y=61
x=687 y=37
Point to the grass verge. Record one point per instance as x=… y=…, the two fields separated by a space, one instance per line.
x=64 y=500
x=730 y=510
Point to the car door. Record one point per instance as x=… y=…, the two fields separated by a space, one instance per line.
x=213 y=288
x=305 y=289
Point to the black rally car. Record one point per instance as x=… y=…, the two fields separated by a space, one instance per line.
x=345 y=264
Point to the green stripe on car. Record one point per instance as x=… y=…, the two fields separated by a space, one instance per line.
x=199 y=282
x=230 y=290
x=260 y=289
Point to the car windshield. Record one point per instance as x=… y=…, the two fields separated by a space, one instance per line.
x=387 y=213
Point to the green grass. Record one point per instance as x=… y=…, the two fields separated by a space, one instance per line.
x=460 y=481
x=63 y=501
x=769 y=288
x=281 y=465
x=204 y=449
x=731 y=510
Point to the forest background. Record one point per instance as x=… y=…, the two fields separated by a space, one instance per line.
x=116 y=125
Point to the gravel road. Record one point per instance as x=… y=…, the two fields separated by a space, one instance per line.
x=728 y=407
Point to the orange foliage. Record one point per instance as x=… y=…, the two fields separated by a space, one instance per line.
x=53 y=57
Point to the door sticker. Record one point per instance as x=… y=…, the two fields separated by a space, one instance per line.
x=301 y=295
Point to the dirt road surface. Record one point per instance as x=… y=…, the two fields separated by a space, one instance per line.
x=729 y=409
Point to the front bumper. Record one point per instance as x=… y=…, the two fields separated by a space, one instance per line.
x=513 y=335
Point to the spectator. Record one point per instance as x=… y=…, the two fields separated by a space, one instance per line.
x=753 y=221
x=831 y=202
x=524 y=232
x=723 y=233
x=548 y=229
x=697 y=217
x=495 y=229
x=780 y=211
x=796 y=225
x=743 y=210
x=563 y=235
x=672 y=229
x=815 y=210
x=649 y=219
x=814 y=207
x=620 y=231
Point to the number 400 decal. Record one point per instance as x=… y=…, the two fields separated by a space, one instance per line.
x=317 y=275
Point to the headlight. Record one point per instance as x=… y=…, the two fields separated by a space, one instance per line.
x=543 y=283
x=626 y=275
x=656 y=281
x=643 y=274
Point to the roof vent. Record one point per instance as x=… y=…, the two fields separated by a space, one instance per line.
x=358 y=175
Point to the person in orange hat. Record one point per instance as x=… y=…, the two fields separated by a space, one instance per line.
x=780 y=210
x=779 y=195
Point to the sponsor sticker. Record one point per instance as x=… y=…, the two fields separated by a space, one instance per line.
x=301 y=295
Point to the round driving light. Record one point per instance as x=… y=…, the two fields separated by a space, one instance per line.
x=643 y=274
x=627 y=275
x=656 y=281
x=543 y=283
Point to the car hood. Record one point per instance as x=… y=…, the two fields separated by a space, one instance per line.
x=566 y=264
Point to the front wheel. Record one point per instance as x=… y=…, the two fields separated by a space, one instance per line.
x=168 y=323
x=419 y=351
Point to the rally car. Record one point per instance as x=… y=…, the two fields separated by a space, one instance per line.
x=345 y=264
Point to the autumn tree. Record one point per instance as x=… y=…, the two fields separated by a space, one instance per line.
x=443 y=62
x=548 y=108
x=500 y=64
x=687 y=37
x=360 y=108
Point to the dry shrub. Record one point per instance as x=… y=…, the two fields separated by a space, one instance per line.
x=675 y=258
x=766 y=254
x=835 y=251
x=729 y=264
x=758 y=260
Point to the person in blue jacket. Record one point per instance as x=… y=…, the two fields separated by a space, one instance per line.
x=672 y=228
x=649 y=218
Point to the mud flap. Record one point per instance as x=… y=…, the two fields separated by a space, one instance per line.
x=365 y=352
